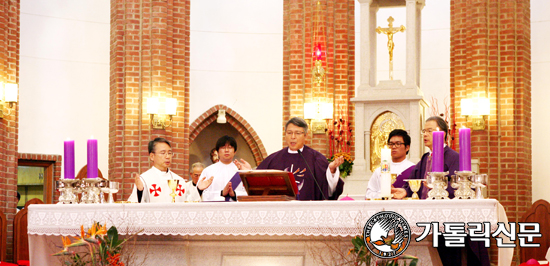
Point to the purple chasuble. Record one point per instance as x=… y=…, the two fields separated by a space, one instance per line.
x=399 y=182
x=450 y=256
x=293 y=162
x=450 y=159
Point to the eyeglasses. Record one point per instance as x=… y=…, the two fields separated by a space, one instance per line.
x=428 y=130
x=227 y=147
x=164 y=154
x=296 y=133
x=396 y=144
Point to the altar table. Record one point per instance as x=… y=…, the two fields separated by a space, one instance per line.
x=240 y=230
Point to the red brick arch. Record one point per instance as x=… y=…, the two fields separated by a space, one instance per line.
x=236 y=121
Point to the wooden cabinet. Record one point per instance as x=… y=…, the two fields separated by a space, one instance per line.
x=30 y=176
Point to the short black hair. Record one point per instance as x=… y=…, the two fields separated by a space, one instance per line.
x=441 y=124
x=18 y=196
x=154 y=142
x=299 y=122
x=402 y=133
x=226 y=140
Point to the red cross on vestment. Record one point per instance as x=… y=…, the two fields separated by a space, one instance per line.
x=155 y=189
x=180 y=190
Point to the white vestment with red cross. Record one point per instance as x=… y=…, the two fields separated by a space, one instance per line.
x=155 y=183
x=193 y=191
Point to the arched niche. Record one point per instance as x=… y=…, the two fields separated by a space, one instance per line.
x=380 y=129
x=205 y=131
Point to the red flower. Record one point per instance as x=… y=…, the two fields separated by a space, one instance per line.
x=114 y=260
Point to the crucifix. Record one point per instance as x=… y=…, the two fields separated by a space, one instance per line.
x=389 y=31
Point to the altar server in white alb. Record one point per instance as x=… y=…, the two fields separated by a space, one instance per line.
x=152 y=186
x=399 y=142
x=222 y=172
x=192 y=182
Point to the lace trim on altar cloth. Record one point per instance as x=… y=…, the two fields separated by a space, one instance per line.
x=315 y=218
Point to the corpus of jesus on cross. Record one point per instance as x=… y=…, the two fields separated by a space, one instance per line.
x=390 y=30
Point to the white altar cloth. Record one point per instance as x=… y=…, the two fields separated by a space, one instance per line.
x=267 y=220
x=313 y=218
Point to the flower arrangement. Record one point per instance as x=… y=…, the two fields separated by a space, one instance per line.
x=103 y=247
x=362 y=255
x=340 y=135
x=346 y=166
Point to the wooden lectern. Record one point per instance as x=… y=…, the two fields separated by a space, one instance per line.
x=268 y=185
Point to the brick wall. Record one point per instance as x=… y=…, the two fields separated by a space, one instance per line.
x=149 y=57
x=490 y=57
x=339 y=62
x=9 y=73
x=236 y=121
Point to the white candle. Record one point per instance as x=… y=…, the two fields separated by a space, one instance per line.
x=385 y=185
x=385 y=159
x=385 y=175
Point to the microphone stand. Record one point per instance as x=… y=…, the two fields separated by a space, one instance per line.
x=313 y=174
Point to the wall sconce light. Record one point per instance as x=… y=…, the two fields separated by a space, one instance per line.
x=161 y=120
x=476 y=111
x=221 y=117
x=315 y=112
x=10 y=96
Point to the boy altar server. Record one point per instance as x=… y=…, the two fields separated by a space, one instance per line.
x=222 y=172
x=399 y=142
x=152 y=186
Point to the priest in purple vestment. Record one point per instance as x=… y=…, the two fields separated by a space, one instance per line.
x=450 y=159
x=315 y=177
x=450 y=256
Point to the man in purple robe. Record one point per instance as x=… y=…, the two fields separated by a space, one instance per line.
x=450 y=159
x=450 y=256
x=315 y=177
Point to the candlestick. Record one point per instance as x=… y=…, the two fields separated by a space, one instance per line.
x=465 y=155
x=437 y=151
x=68 y=156
x=92 y=158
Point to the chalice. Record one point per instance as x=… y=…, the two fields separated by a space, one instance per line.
x=479 y=182
x=414 y=184
x=110 y=188
x=173 y=185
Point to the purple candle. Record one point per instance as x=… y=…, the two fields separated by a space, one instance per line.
x=92 y=158
x=437 y=151
x=68 y=156
x=465 y=156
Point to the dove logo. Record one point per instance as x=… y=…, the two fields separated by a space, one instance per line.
x=387 y=234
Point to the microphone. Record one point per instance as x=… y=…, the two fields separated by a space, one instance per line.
x=313 y=174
